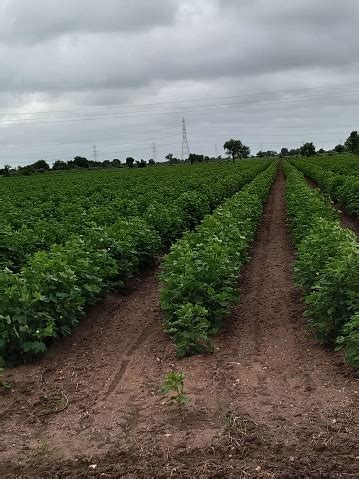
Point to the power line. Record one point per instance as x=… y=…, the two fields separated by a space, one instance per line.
x=136 y=114
x=239 y=125
x=34 y=154
x=283 y=137
x=91 y=140
x=190 y=100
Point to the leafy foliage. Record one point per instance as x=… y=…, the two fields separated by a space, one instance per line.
x=174 y=382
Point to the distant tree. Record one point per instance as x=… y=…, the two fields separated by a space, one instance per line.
x=339 y=148
x=321 y=150
x=236 y=149
x=94 y=164
x=151 y=162
x=352 y=142
x=116 y=163
x=284 y=152
x=141 y=164
x=60 y=165
x=233 y=148
x=308 y=149
x=195 y=158
x=294 y=152
x=245 y=152
x=6 y=170
x=263 y=154
x=172 y=160
x=81 y=162
x=106 y=164
x=206 y=159
x=40 y=165
x=130 y=161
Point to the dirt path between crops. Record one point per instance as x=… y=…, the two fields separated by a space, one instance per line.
x=347 y=220
x=270 y=402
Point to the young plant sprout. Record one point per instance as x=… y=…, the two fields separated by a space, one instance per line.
x=174 y=383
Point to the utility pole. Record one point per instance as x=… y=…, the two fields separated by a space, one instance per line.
x=95 y=152
x=185 y=147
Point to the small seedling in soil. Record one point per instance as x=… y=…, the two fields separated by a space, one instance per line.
x=41 y=449
x=174 y=382
x=3 y=384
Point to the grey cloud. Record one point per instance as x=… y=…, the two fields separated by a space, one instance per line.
x=35 y=21
x=116 y=61
x=317 y=13
x=74 y=54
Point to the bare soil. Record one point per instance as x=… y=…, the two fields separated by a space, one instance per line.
x=270 y=401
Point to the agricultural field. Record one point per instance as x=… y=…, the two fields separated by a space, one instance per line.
x=66 y=240
x=234 y=286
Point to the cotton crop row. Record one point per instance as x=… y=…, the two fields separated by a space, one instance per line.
x=341 y=187
x=326 y=266
x=201 y=271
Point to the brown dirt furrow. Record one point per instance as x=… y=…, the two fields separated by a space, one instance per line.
x=347 y=220
x=270 y=401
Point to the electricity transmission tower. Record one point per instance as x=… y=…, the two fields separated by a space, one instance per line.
x=185 y=147
x=95 y=152
x=154 y=151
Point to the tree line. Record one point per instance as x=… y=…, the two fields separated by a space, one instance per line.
x=237 y=150
x=233 y=147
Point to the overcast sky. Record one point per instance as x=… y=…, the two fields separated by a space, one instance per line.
x=121 y=74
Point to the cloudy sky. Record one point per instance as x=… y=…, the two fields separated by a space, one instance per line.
x=121 y=74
